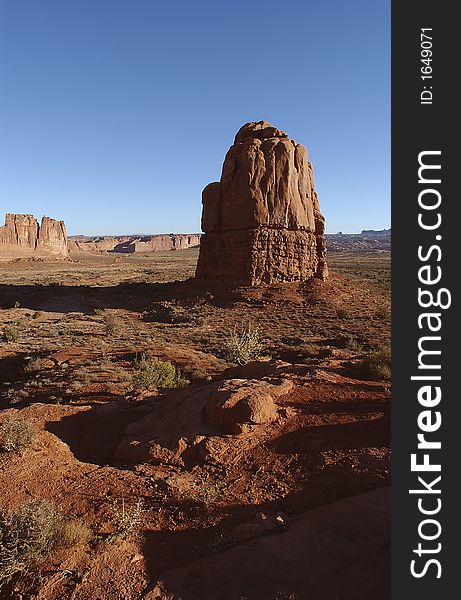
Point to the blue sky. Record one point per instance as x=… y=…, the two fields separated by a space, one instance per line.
x=114 y=114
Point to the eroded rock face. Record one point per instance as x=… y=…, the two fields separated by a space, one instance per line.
x=22 y=236
x=132 y=244
x=237 y=402
x=214 y=423
x=262 y=221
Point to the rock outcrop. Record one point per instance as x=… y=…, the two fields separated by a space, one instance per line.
x=214 y=423
x=262 y=220
x=23 y=236
x=134 y=244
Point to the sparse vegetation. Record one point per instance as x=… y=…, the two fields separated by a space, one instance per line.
x=31 y=532
x=353 y=344
x=199 y=320
x=105 y=362
x=377 y=365
x=63 y=356
x=196 y=373
x=33 y=365
x=244 y=345
x=27 y=535
x=16 y=434
x=111 y=324
x=342 y=313
x=154 y=374
x=84 y=376
x=198 y=316
x=11 y=333
x=75 y=533
x=127 y=518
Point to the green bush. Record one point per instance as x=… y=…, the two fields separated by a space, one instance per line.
x=17 y=434
x=342 y=313
x=155 y=374
x=244 y=345
x=377 y=365
x=27 y=535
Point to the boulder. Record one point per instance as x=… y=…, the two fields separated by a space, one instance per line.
x=239 y=402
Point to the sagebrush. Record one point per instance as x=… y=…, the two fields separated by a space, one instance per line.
x=111 y=324
x=244 y=345
x=17 y=434
x=11 y=333
x=27 y=535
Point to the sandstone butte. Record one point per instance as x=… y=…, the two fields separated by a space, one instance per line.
x=262 y=222
x=23 y=236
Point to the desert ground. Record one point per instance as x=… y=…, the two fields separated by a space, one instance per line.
x=158 y=498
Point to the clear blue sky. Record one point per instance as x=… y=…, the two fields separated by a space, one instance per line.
x=114 y=114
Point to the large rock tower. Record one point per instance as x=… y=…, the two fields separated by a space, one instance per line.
x=262 y=221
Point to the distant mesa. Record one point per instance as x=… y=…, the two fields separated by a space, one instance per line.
x=22 y=236
x=262 y=220
x=134 y=244
x=368 y=240
x=374 y=232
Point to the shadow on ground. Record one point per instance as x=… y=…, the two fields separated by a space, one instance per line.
x=94 y=434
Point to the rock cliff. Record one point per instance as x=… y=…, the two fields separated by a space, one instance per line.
x=262 y=220
x=133 y=244
x=23 y=236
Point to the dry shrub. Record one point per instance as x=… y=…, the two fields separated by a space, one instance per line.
x=111 y=324
x=17 y=434
x=377 y=365
x=244 y=345
x=36 y=364
x=383 y=313
x=75 y=533
x=27 y=535
x=351 y=343
x=11 y=333
x=127 y=518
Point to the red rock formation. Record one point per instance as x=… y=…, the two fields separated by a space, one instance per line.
x=22 y=236
x=133 y=244
x=262 y=221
